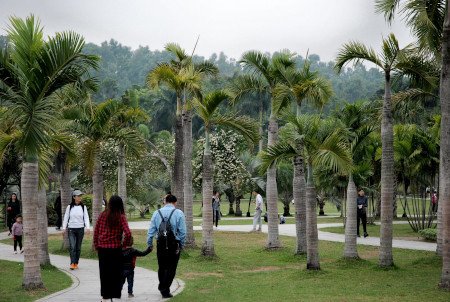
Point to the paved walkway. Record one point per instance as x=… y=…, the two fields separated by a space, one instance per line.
x=86 y=280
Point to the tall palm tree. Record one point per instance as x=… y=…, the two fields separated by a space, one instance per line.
x=324 y=143
x=392 y=60
x=271 y=71
x=302 y=86
x=207 y=110
x=32 y=72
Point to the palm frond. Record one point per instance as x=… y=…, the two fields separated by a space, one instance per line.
x=243 y=125
x=356 y=52
x=275 y=153
x=245 y=85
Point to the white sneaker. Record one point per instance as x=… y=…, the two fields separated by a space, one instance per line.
x=15 y=252
x=21 y=251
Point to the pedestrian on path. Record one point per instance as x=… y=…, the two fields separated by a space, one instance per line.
x=258 y=211
x=169 y=226
x=57 y=207
x=76 y=221
x=17 y=233
x=12 y=209
x=216 y=207
x=361 y=202
x=111 y=226
x=129 y=263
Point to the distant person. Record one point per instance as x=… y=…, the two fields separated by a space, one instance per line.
x=111 y=234
x=57 y=207
x=361 y=202
x=129 y=263
x=12 y=209
x=76 y=220
x=434 y=201
x=17 y=232
x=258 y=212
x=216 y=207
x=169 y=226
x=282 y=219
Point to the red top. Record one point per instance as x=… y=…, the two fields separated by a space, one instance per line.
x=105 y=237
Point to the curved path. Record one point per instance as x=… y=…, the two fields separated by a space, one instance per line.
x=86 y=280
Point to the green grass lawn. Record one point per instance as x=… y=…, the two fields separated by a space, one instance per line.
x=11 y=282
x=400 y=230
x=244 y=271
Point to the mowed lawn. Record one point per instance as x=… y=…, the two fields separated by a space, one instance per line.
x=399 y=231
x=244 y=271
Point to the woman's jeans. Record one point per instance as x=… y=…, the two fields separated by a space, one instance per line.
x=75 y=239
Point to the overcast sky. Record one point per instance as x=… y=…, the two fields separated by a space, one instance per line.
x=232 y=26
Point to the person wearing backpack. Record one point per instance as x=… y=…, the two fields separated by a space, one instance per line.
x=169 y=226
x=76 y=220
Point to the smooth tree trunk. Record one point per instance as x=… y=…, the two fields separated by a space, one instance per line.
x=122 y=176
x=187 y=179
x=66 y=197
x=31 y=268
x=299 y=193
x=387 y=178
x=312 y=237
x=207 y=192
x=439 y=234
x=444 y=179
x=97 y=190
x=177 y=175
x=261 y=131
x=350 y=250
x=273 y=240
x=44 y=257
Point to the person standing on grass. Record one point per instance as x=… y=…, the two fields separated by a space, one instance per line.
x=111 y=227
x=361 y=214
x=169 y=253
x=216 y=207
x=76 y=219
x=12 y=209
x=258 y=211
x=17 y=232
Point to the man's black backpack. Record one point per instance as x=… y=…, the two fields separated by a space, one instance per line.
x=166 y=240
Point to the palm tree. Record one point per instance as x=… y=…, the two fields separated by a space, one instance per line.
x=302 y=86
x=32 y=72
x=324 y=144
x=207 y=110
x=271 y=72
x=401 y=62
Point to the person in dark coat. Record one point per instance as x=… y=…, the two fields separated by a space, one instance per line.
x=57 y=207
x=361 y=214
x=13 y=209
x=129 y=263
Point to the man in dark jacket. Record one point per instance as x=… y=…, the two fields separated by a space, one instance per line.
x=361 y=202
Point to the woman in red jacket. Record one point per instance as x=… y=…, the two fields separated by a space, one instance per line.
x=110 y=227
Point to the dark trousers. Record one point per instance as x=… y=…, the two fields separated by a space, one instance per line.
x=75 y=239
x=111 y=269
x=128 y=274
x=361 y=215
x=216 y=215
x=167 y=268
x=58 y=220
x=17 y=240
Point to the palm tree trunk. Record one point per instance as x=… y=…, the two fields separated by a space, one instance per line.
x=187 y=179
x=177 y=181
x=299 y=193
x=312 y=238
x=66 y=196
x=439 y=234
x=44 y=257
x=350 y=250
x=261 y=131
x=207 y=192
x=387 y=178
x=97 y=190
x=444 y=185
x=273 y=240
x=122 y=176
x=29 y=184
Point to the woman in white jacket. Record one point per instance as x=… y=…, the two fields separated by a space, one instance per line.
x=76 y=219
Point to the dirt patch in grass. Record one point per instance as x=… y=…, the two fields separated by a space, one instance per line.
x=263 y=269
x=371 y=254
x=195 y=275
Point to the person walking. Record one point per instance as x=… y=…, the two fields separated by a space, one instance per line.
x=57 y=207
x=216 y=207
x=111 y=227
x=17 y=232
x=12 y=209
x=361 y=202
x=129 y=263
x=258 y=211
x=169 y=226
x=76 y=220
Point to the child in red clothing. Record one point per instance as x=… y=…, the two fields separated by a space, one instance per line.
x=17 y=232
x=129 y=263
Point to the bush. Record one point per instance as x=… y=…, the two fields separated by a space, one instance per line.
x=428 y=234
